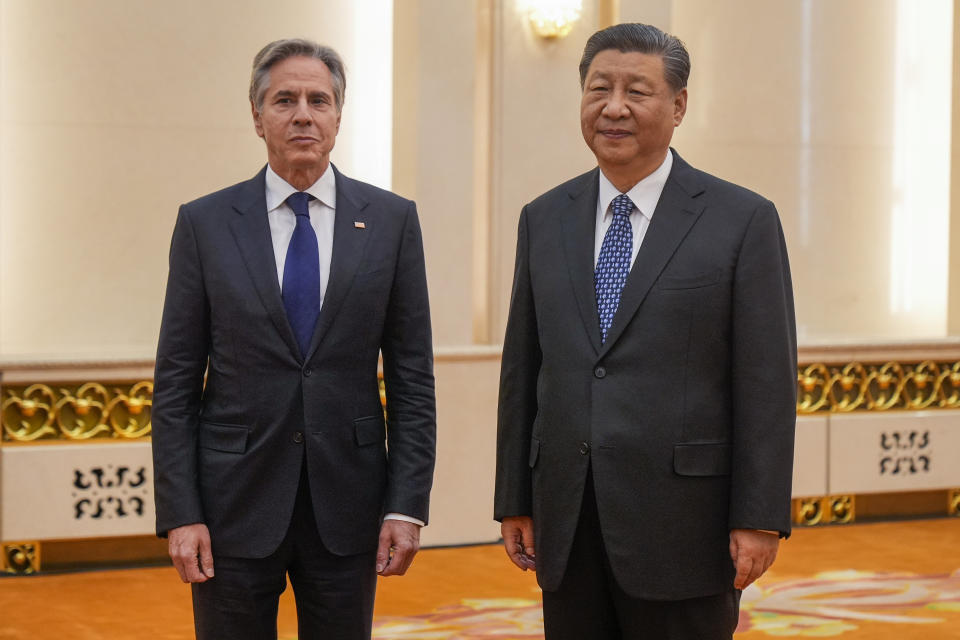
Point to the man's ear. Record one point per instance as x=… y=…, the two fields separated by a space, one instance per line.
x=679 y=106
x=256 y=119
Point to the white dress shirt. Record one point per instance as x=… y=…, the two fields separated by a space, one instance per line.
x=645 y=195
x=322 y=210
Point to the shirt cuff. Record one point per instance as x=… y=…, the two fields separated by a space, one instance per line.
x=400 y=516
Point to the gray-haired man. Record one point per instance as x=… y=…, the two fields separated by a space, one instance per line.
x=283 y=291
x=647 y=396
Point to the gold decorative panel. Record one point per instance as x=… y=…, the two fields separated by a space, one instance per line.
x=20 y=558
x=76 y=412
x=842 y=509
x=809 y=511
x=878 y=387
x=839 y=509
x=953 y=502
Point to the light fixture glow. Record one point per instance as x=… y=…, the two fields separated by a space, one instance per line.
x=553 y=18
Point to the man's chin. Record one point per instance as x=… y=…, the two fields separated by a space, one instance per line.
x=306 y=159
x=620 y=158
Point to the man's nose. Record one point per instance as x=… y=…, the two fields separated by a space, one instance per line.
x=616 y=104
x=301 y=114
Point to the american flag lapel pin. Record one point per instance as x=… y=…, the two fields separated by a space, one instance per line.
x=359 y=225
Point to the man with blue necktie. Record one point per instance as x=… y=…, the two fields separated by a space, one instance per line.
x=270 y=443
x=647 y=395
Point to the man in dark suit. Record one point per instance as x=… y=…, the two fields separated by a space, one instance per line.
x=283 y=292
x=647 y=395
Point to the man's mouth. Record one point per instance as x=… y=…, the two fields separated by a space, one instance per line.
x=615 y=133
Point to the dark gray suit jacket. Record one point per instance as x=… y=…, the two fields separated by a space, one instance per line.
x=228 y=453
x=686 y=413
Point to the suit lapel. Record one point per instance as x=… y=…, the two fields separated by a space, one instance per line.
x=676 y=212
x=349 y=244
x=251 y=230
x=578 y=222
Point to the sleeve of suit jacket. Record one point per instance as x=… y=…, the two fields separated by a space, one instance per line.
x=178 y=381
x=763 y=378
x=519 y=369
x=408 y=379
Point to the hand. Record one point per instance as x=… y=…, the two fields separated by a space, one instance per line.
x=517 y=533
x=752 y=552
x=190 y=550
x=399 y=542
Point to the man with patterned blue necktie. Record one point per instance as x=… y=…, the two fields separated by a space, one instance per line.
x=269 y=439
x=647 y=393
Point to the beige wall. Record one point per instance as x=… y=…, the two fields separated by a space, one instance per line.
x=837 y=112
x=461 y=504
x=953 y=325
x=433 y=148
x=134 y=108
x=114 y=113
x=536 y=131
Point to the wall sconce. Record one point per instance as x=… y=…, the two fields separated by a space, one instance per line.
x=551 y=19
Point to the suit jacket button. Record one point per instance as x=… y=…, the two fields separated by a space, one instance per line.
x=307 y=371
x=298 y=436
x=584 y=448
x=600 y=372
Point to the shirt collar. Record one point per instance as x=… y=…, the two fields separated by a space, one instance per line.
x=278 y=189
x=645 y=194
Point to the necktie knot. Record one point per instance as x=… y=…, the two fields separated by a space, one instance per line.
x=622 y=205
x=299 y=202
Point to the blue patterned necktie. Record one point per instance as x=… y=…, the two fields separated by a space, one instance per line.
x=301 y=274
x=613 y=265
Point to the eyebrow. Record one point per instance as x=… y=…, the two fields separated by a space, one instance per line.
x=633 y=77
x=286 y=93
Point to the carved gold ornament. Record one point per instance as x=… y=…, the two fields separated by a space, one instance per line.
x=28 y=415
x=130 y=412
x=810 y=511
x=839 y=509
x=77 y=413
x=878 y=387
x=842 y=509
x=81 y=415
x=20 y=558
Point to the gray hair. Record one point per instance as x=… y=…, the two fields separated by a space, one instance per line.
x=641 y=38
x=281 y=50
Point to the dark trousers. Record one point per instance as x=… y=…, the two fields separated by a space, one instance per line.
x=334 y=594
x=590 y=605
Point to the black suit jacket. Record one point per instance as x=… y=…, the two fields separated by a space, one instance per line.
x=686 y=413
x=228 y=453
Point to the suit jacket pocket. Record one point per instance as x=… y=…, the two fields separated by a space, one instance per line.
x=534 y=451
x=689 y=282
x=702 y=459
x=224 y=437
x=369 y=430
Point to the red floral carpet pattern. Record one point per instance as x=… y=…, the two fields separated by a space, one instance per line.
x=825 y=605
x=887 y=581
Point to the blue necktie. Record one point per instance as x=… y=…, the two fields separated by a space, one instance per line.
x=301 y=274
x=613 y=265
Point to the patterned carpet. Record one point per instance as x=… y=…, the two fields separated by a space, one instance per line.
x=878 y=581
